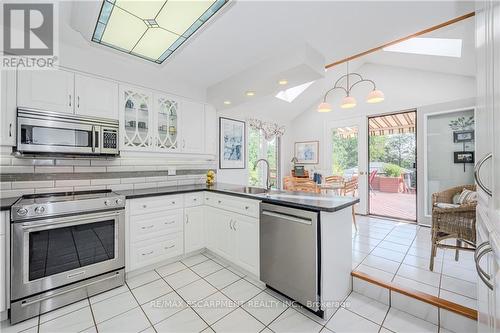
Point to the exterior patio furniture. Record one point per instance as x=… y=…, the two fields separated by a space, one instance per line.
x=452 y=222
x=373 y=173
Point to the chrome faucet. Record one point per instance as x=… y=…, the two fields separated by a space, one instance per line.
x=268 y=174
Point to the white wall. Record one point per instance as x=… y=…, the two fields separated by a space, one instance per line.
x=403 y=88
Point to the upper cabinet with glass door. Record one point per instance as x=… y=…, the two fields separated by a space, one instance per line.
x=136 y=119
x=167 y=122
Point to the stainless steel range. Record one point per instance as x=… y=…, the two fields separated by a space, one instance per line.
x=64 y=247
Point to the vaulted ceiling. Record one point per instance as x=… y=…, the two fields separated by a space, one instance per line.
x=248 y=32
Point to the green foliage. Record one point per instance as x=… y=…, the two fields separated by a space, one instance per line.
x=344 y=153
x=399 y=149
x=392 y=170
x=377 y=147
x=256 y=144
x=462 y=123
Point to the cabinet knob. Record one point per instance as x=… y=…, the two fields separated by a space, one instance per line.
x=219 y=201
x=246 y=207
x=144 y=206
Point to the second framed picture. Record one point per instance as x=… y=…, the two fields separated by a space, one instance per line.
x=307 y=152
x=231 y=144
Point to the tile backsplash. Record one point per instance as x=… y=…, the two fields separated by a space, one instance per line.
x=20 y=176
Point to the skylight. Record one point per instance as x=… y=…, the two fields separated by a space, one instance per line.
x=152 y=29
x=290 y=94
x=444 y=47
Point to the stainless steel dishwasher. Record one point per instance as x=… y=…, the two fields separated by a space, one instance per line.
x=289 y=255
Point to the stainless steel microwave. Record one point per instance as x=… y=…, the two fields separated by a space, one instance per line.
x=60 y=133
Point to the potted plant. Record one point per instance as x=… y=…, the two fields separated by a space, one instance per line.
x=389 y=182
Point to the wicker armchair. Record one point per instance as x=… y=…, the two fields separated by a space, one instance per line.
x=458 y=223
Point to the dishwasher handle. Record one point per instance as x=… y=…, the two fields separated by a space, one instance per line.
x=288 y=217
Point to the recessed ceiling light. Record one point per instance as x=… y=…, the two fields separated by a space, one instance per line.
x=282 y=82
x=152 y=30
x=445 y=47
x=292 y=93
x=227 y=102
x=250 y=93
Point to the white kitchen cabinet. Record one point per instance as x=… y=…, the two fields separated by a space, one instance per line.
x=194 y=232
x=69 y=92
x=136 y=119
x=246 y=240
x=154 y=230
x=487 y=144
x=210 y=130
x=4 y=262
x=218 y=226
x=8 y=108
x=96 y=97
x=193 y=127
x=233 y=230
x=166 y=123
x=50 y=90
x=152 y=251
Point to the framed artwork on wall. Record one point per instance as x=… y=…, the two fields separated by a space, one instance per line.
x=232 y=143
x=307 y=152
x=463 y=136
x=463 y=157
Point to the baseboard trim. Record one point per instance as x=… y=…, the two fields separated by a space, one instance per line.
x=419 y=295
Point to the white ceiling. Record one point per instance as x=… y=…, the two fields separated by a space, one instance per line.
x=251 y=31
x=248 y=32
x=465 y=65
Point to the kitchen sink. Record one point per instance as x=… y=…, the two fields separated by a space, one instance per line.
x=254 y=190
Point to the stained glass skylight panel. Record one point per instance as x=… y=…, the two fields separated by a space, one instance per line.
x=152 y=29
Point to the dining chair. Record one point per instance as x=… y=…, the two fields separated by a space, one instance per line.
x=351 y=186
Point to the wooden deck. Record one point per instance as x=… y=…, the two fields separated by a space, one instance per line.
x=397 y=205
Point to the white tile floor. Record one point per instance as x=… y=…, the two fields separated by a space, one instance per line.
x=400 y=252
x=202 y=294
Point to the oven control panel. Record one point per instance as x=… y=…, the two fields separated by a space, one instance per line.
x=34 y=210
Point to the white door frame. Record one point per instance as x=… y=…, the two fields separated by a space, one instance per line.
x=362 y=123
x=423 y=218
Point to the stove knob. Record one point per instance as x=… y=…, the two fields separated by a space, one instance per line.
x=119 y=202
x=108 y=202
x=22 y=211
x=39 y=210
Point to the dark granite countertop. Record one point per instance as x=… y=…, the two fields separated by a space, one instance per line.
x=309 y=201
x=5 y=203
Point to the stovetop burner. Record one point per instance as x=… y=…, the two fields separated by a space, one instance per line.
x=62 y=203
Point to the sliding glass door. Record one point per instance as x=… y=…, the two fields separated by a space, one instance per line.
x=392 y=178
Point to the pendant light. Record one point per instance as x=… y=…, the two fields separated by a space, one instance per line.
x=349 y=102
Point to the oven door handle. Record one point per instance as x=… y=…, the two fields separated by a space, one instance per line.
x=41 y=299
x=93 y=138
x=62 y=222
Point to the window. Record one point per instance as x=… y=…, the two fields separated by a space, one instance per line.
x=259 y=147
